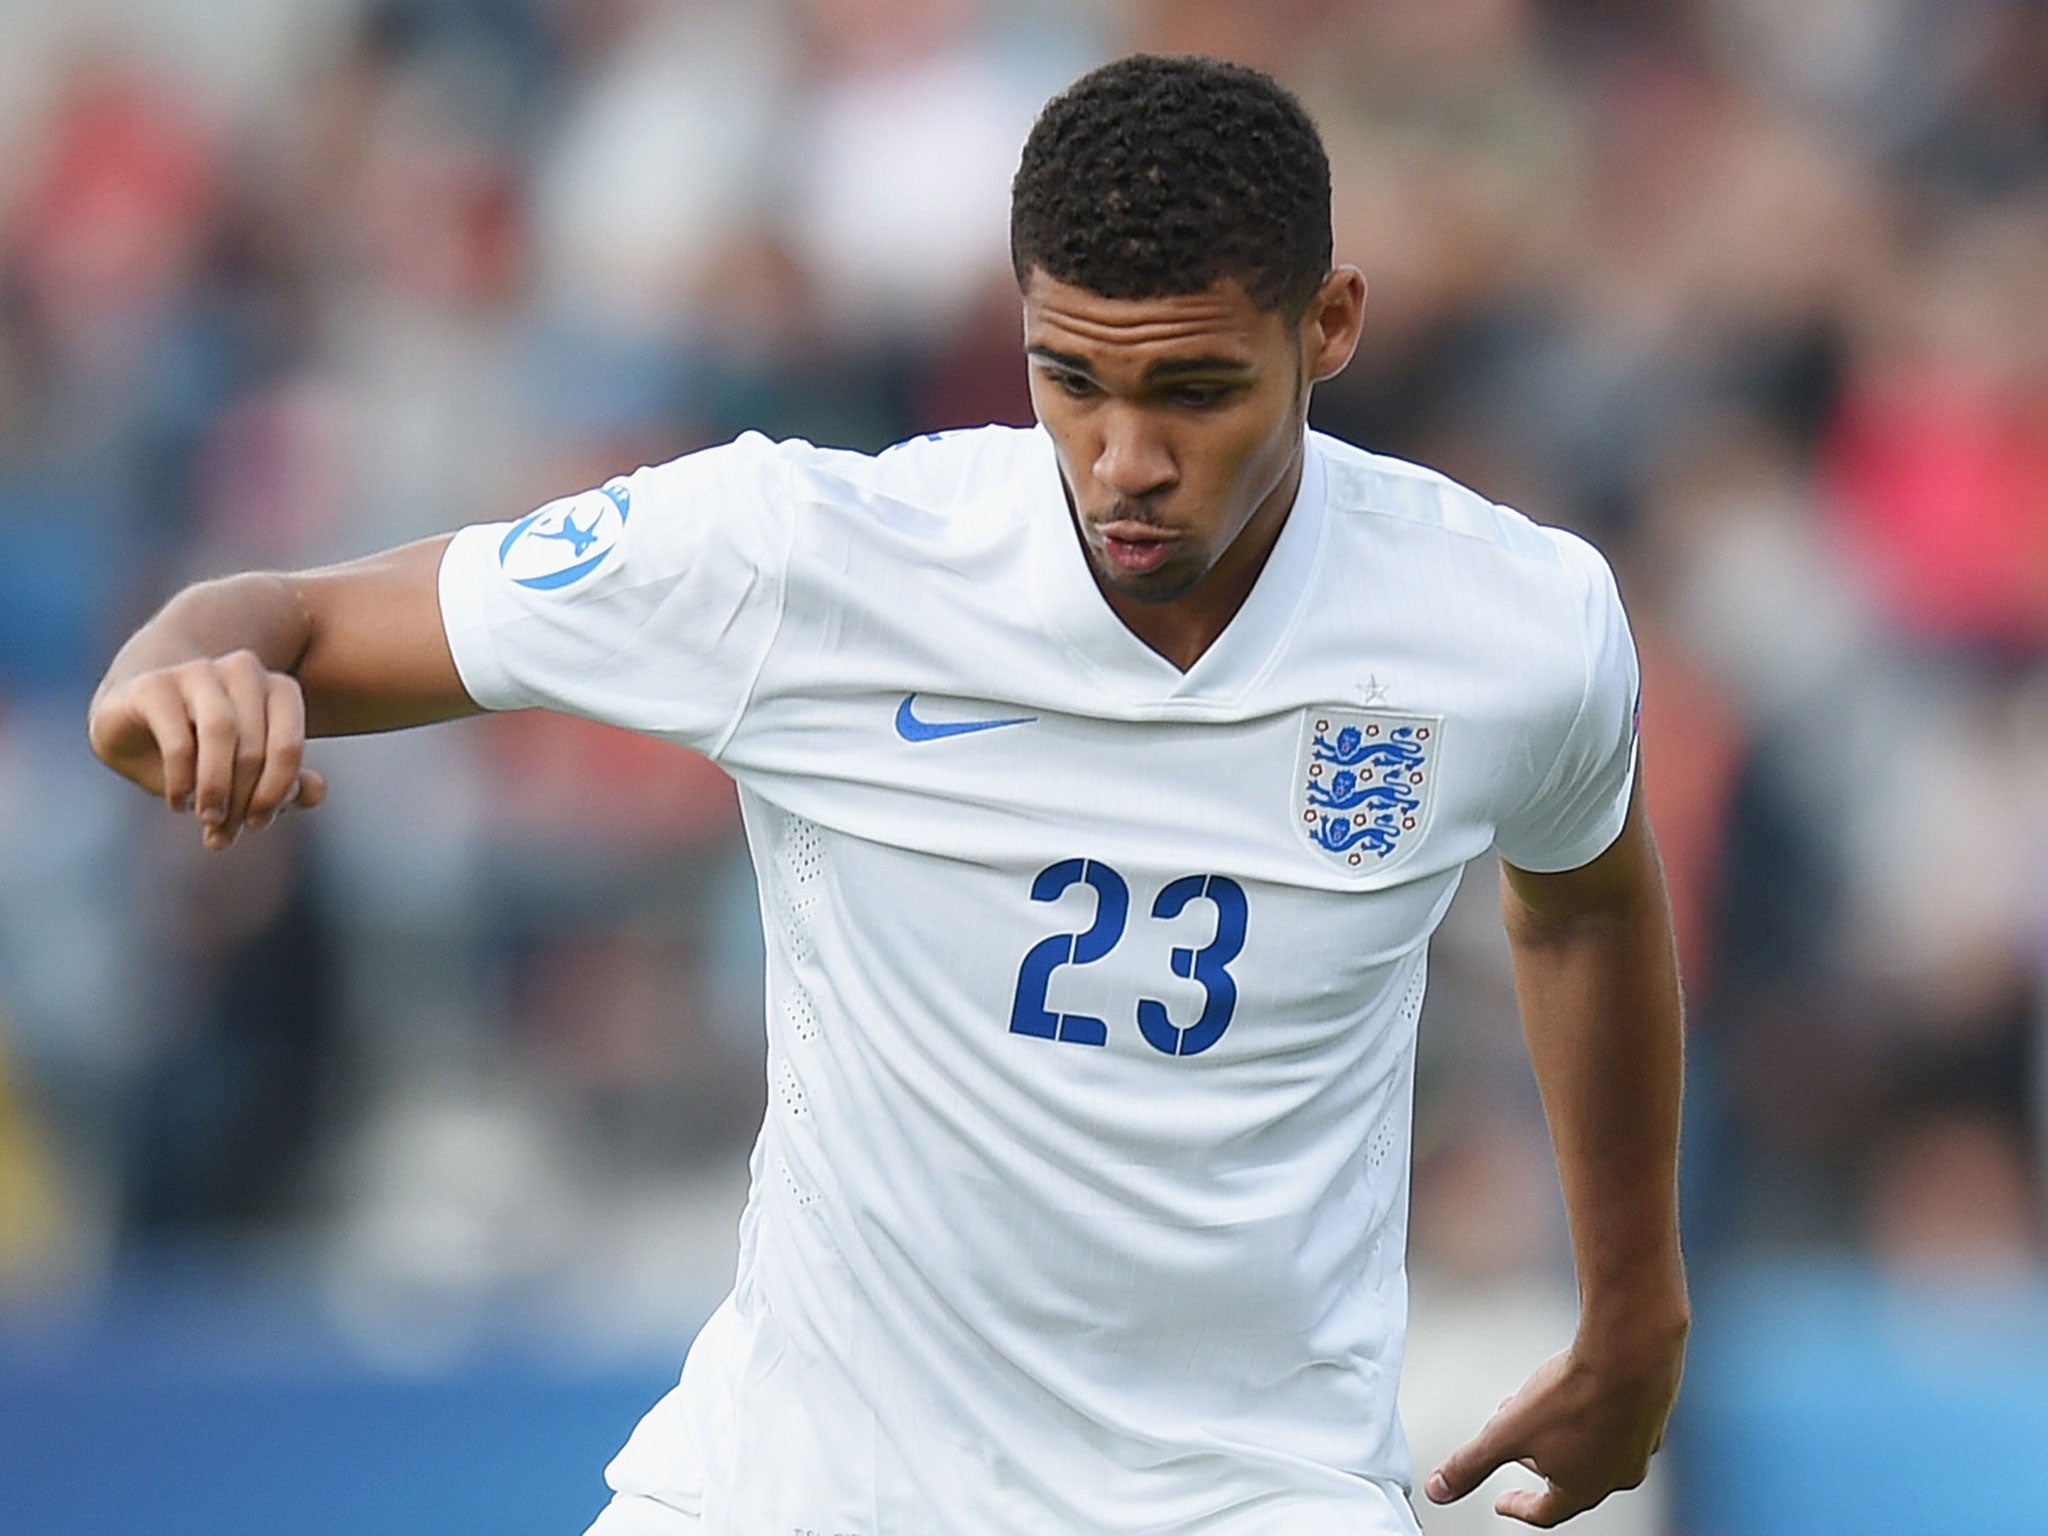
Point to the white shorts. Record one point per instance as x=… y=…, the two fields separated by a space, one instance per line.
x=806 y=1454
x=632 y=1514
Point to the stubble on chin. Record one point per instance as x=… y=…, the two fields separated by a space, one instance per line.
x=1163 y=586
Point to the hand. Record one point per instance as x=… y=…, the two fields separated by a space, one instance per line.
x=223 y=737
x=1585 y=1429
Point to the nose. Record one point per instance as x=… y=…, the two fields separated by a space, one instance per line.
x=1134 y=461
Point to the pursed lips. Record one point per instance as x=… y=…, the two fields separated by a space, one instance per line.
x=1134 y=546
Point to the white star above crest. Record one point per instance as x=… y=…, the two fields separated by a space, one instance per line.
x=1375 y=690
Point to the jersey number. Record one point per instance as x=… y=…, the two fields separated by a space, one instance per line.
x=1207 y=965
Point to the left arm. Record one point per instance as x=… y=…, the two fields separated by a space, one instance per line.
x=1597 y=982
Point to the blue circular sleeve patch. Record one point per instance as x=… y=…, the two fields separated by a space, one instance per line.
x=565 y=540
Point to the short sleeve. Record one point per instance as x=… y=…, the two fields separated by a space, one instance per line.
x=649 y=602
x=1579 y=808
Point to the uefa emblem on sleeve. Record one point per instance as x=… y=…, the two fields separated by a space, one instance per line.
x=565 y=540
x=1363 y=783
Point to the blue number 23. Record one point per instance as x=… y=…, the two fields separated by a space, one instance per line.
x=1207 y=965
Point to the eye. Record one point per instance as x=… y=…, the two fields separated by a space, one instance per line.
x=1200 y=397
x=1079 y=385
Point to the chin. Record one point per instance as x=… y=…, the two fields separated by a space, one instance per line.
x=1162 y=586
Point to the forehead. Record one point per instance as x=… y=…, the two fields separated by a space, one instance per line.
x=1220 y=321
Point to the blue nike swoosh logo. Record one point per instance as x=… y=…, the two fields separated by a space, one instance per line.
x=910 y=728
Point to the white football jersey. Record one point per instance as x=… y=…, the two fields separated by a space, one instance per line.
x=1080 y=1203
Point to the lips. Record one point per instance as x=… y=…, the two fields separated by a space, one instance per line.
x=1136 y=548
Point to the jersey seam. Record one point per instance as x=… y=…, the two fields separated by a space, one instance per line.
x=716 y=750
x=1491 y=541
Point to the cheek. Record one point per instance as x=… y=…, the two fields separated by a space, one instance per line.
x=1055 y=413
x=1254 y=458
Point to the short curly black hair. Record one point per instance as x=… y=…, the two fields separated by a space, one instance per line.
x=1160 y=175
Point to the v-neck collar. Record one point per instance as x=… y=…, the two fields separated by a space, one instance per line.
x=1074 y=609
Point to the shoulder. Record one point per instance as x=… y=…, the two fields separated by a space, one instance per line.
x=939 y=472
x=1405 y=520
x=936 y=467
x=1494 y=592
x=1375 y=488
x=933 y=486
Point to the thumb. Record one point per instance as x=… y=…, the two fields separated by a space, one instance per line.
x=312 y=789
x=1475 y=1461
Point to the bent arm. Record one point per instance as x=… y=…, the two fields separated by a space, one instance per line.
x=1597 y=981
x=209 y=704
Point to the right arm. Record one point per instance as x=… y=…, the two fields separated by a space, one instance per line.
x=210 y=703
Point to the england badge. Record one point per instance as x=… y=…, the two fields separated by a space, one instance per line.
x=1363 y=783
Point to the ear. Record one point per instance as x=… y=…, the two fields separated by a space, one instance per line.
x=1331 y=324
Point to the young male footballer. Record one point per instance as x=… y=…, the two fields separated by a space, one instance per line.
x=1105 y=781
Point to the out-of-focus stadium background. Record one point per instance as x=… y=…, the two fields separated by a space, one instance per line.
x=374 y=1176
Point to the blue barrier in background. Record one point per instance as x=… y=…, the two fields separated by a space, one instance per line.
x=187 y=1411
x=1819 y=1402
x=1830 y=1402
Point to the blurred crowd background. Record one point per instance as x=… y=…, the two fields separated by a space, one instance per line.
x=1752 y=292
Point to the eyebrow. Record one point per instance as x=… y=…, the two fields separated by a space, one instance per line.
x=1160 y=372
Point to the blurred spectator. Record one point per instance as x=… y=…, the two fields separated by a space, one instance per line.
x=665 y=145
x=1938 y=459
x=1916 y=1226
x=1752 y=293
x=900 y=156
